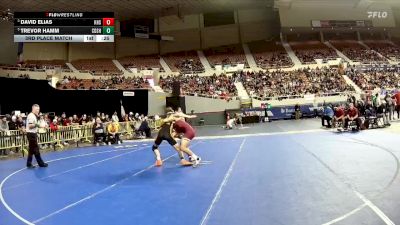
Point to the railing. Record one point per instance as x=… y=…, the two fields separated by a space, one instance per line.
x=213 y=96
x=75 y=133
x=32 y=69
x=279 y=98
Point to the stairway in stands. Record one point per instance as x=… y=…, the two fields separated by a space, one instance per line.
x=71 y=67
x=291 y=54
x=249 y=57
x=340 y=54
x=242 y=93
x=354 y=85
x=204 y=61
x=165 y=66
x=119 y=66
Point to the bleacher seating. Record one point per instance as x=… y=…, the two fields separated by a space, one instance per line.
x=387 y=49
x=221 y=86
x=270 y=54
x=376 y=78
x=358 y=53
x=97 y=66
x=226 y=55
x=144 y=62
x=264 y=85
x=308 y=51
x=46 y=64
x=185 y=62
x=116 y=82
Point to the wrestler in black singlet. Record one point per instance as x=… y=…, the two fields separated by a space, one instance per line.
x=165 y=134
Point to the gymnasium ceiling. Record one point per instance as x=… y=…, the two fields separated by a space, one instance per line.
x=336 y=3
x=125 y=9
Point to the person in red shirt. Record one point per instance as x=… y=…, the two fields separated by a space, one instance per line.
x=397 y=98
x=54 y=125
x=339 y=116
x=352 y=115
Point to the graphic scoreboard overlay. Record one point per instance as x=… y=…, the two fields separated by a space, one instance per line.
x=64 y=27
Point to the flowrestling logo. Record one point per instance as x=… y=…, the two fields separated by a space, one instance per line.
x=377 y=14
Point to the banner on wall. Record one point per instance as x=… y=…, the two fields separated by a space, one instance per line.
x=286 y=112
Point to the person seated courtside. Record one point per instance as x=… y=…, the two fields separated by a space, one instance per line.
x=113 y=132
x=99 y=134
x=144 y=128
x=352 y=115
x=381 y=114
x=327 y=116
x=339 y=116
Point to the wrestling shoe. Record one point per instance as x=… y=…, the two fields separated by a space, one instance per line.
x=195 y=161
x=159 y=163
x=43 y=165
x=184 y=162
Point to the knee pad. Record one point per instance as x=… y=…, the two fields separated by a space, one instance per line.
x=154 y=147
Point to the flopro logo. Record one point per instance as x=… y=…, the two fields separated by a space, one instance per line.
x=377 y=14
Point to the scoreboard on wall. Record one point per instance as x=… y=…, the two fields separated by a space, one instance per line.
x=63 y=27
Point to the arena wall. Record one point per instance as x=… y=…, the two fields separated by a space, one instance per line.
x=258 y=24
x=45 y=51
x=174 y=23
x=396 y=32
x=157 y=103
x=302 y=16
x=90 y=51
x=135 y=46
x=220 y=35
x=184 y=40
x=8 y=48
x=203 y=105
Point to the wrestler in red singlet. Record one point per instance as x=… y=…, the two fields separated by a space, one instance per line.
x=181 y=126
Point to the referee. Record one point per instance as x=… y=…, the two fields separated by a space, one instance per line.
x=31 y=133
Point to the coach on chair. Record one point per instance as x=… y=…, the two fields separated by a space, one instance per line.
x=31 y=133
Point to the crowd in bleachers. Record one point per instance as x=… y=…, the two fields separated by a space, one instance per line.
x=221 y=86
x=375 y=77
x=265 y=85
x=45 y=64
x=114 y=82
x=226 y=55
x=388 y=50
x=145 y=62
x=184 y=62
x=270 y=54
x=309 y=51
x=97 y=66
x=358 y=53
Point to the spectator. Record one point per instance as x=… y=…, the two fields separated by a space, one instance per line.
x=107 y=118
x=381 y=113
x=84 y=120
x=144 y=128
x=4 y=125
x=75 y=119
x=328 y=116
x=20 y=123
x=115 y=117
x=54 y=125
x=396 y=97
x=352 y=115
x=339 y=116
x=297 y=112
x=99 y=132
x=12 y=125
x=103 y=118
x=64 y=120
x=113 y=133
x=389 y=106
